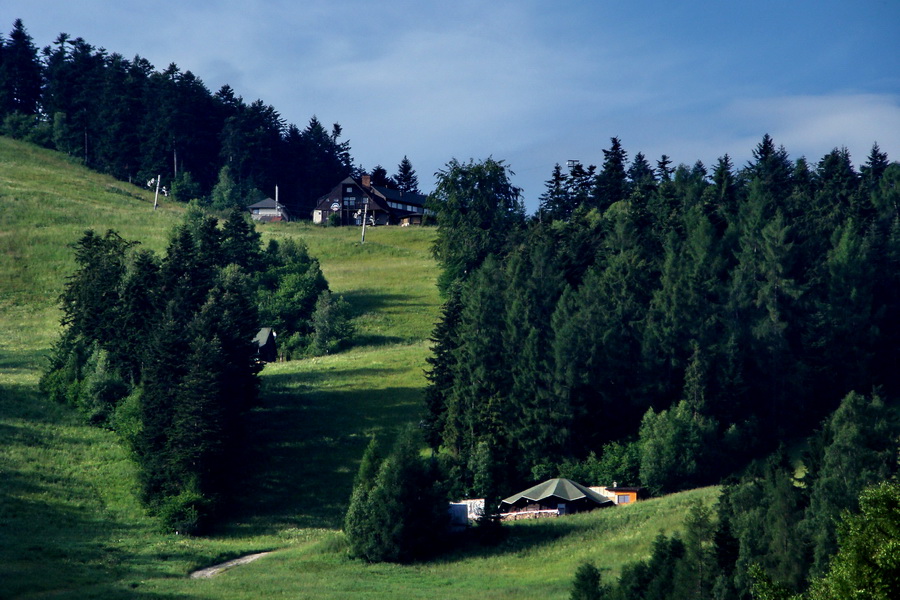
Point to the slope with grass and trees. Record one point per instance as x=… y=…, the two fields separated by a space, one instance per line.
x=71 y=513
x=667 y=327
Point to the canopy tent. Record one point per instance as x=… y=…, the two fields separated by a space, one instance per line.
x=552 y=493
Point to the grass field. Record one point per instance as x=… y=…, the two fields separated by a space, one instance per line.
x=70 y=525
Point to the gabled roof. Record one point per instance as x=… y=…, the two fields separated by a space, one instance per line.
x=263 y=336
x=564 y=489
x=267 y=203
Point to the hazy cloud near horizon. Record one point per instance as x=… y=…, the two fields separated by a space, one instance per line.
x=527 y=82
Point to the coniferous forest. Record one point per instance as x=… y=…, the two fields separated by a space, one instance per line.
x=674 y=328
x=652 y=324
x=126 y=118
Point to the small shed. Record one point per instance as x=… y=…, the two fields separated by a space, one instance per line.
x=552 y=497
x=628 y=495
x=267 y=350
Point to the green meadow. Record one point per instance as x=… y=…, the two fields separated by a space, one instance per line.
x=70 y=524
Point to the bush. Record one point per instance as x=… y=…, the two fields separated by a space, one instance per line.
x=332 y=327
x=183 y=514
x=101 y=389
x=126 y=421
x=586 y=585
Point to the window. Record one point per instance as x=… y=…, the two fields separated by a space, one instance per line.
x=623 y=499
x=349 y=189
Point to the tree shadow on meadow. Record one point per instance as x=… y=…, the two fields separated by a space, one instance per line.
x=57 y=541
x=519 y=539
x=305 y=443
x=368 y=300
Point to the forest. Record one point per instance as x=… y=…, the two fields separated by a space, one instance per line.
x=126 y=118
x=673 y=327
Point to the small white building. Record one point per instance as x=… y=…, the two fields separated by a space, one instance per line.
x=268 y=210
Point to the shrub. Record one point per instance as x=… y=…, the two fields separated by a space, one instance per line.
x=331 y=324
x=182 y=514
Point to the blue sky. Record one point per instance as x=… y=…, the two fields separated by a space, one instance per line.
x=533 y=83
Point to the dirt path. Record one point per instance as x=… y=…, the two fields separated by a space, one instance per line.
x=216 y=569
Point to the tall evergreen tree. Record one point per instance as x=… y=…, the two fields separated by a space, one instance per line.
x=554 y=202
x=20 y=73
x=480 y=405
x=401 y=517
x=535 y=285
x=612 y=181
x=442 y=366
x=406 y=178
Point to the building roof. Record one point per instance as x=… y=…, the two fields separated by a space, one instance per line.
x=267 y=203
x=563 y=489
x=263 y=336
x=398 y=196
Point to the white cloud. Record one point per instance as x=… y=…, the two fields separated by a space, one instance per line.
x=814 y=125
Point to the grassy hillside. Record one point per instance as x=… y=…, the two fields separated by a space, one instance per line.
x=70 y=525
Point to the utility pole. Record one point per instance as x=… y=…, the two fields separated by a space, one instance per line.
x=156 y=197
x=365 y=213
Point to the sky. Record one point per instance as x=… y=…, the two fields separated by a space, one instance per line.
x=529 y=82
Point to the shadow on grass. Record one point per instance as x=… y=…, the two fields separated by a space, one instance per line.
x=514 y=539
x=305 y=444
x=368 y=300
x=362 y=340
x=61 y=549
x=56 y=539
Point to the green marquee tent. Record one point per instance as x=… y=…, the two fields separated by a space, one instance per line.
x=563 y=495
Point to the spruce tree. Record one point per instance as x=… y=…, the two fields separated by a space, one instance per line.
x=612 y=181
x=542 y=423
x=402 y=517
x=20 y=72
x=441 y=369
x=587 y=584
x=407 y=181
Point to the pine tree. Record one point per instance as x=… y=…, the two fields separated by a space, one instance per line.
x=407 y=181
x=541 y=422
x=442 y=366
x=479 y=405
x=587 y=584
x=403 y=516
x=240 y=242
x=20 y=73
x=554 y=202
x=90 y=301
x=696 y=571
x=640 y=175
x=664 y=169
x=612 y=181
x=139 y=312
